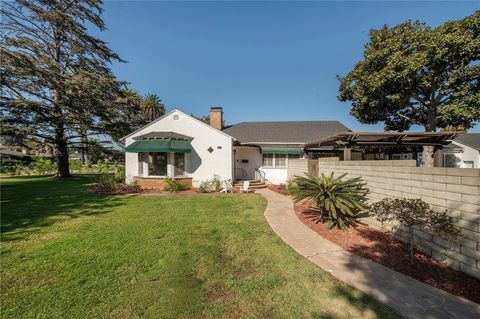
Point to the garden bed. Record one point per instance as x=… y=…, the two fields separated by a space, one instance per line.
x=131 y=190
x=384 y=249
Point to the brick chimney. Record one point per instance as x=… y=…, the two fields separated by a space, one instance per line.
x=216 y=117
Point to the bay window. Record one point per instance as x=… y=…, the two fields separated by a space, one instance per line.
x=157 y=164
x=161 y=164
x=179 y=164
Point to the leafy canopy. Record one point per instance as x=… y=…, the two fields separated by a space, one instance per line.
x=56 y=81
x=413 y=74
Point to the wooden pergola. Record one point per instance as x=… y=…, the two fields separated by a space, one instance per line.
x=362 y=140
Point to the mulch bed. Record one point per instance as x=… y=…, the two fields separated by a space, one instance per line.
x=386 y=250
x=134 y=191
x=144 y=191
x=278 y=188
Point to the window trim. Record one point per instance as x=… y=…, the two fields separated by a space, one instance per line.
x=148 y=168
x=170 y=166
x=274 y=161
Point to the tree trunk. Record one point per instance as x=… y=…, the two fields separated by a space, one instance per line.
x=83 y=148
x=412 y=257
x=427 y=156
x=63 y=167
x=431 y=119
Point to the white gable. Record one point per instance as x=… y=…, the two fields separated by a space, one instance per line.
x=211 y=149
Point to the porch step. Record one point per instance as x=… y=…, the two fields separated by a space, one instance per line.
x=254 y=184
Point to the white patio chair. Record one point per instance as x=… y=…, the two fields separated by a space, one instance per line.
x=245 y=187
x=228 y=188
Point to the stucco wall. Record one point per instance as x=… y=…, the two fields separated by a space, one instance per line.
x=468 y=154
x=252 y=155
x=275 y=176
x=200 y=164
x=456 y=190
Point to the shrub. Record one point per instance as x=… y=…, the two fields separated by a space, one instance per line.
x=106 y=182
x=11 y=167
x=205 y=187
x=42 y=165
x=216 y=183
x=411 y=213
x=339 y=200
x=173 y=185
x=290 y=189
x=75 y=165
x=213 y=185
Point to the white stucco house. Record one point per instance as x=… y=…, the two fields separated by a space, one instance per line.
x=464 y=151
x=179 y=146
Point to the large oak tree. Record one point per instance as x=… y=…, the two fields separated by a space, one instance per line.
x=56 y=81
x=414 y=74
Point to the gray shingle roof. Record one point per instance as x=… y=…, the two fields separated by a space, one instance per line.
x=284 y=132
x=469 y=139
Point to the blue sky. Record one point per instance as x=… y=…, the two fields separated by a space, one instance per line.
x=260 y=61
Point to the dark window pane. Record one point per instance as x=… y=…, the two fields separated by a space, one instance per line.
x=157 y=164
x=179 y=164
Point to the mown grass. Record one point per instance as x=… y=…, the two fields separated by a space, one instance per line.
x=67 y=253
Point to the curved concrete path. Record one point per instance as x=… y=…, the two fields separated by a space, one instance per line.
x=409 y=297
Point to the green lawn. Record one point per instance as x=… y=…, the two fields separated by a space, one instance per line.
x=67 y=253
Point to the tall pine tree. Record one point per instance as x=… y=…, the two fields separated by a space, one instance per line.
x=56 y=81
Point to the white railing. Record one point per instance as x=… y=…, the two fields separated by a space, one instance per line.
x=260 y=175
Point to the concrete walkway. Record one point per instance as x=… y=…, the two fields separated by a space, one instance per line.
x=409 y=297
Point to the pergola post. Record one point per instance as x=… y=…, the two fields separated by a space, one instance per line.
x=347 y=153
x=438 y=157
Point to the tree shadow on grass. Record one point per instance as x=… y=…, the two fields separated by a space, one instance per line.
x=31 y=203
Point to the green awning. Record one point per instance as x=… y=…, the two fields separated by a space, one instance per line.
x=285 y=150
x=160 y=145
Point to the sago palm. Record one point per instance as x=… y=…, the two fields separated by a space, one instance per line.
x=339 y=200
x=152 y=106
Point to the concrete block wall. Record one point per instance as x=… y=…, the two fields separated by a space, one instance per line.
x=297 y=167
x=456 y=190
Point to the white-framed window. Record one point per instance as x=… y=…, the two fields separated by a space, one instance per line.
x=281 y=160
x=179 y=164
x=270 y=160
x=468 y=164
x=267 y=160
x=157 y=164
x=161 y=164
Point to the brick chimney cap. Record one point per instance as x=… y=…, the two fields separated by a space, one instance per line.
x=216 y=108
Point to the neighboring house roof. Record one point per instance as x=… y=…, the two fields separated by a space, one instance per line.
x=12 y=153
x=294 y=132
x=469 y=139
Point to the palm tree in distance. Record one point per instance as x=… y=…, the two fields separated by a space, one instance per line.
x=152 y=106
x=130 y=96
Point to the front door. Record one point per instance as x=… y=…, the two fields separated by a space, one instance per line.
x=247 y=159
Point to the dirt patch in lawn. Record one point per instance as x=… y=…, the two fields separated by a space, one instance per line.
x=386 y=250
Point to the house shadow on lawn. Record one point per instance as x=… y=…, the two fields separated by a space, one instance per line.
x=30 y=203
